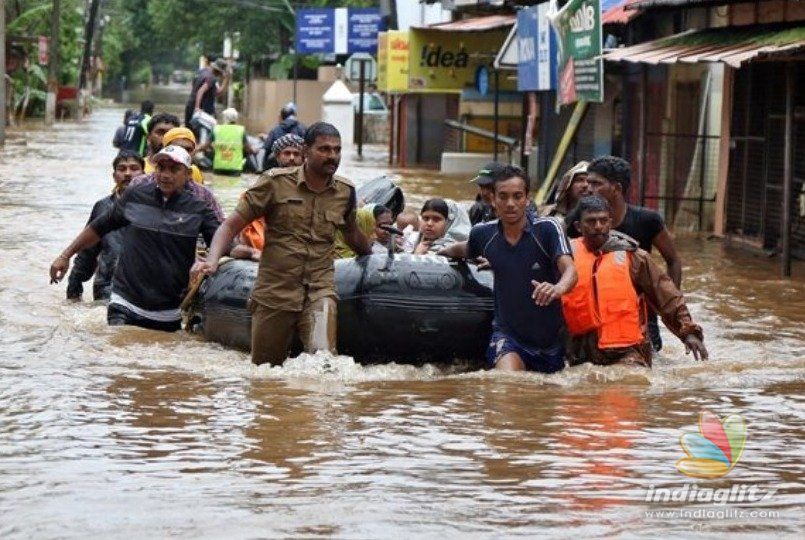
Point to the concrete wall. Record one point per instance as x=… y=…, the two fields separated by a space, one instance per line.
x=264 y=99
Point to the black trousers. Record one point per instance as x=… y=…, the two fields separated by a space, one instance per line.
x=117 y=315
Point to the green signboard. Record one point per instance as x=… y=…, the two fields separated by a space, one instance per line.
x=580 y=67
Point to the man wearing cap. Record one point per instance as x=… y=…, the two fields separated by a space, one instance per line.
x=482 y=210
x=162 y=221
x=184 y=138
x=295 y=288
x=288 y=124
x=230 y=144
x=177 y=136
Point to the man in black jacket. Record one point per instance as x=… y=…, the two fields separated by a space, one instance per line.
x=101 y=259
x=163 y=221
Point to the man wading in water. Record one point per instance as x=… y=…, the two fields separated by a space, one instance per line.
x=533 y=268
x=303 y=206
x=605 y=312
x=163 y=221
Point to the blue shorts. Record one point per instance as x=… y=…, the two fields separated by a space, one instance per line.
x=544 y=360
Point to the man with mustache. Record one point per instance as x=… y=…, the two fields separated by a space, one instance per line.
x=605 y=313
x=303 y=207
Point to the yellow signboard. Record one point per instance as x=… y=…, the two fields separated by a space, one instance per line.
x=392 y=61
x=447 y=62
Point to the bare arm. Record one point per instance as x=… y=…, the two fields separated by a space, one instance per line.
x=220 y=244
x=85 y=239
x=200 y=94
x=455 y=251
x=665 y=245
x=545 y=292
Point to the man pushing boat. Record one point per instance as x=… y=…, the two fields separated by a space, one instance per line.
x=302 y=206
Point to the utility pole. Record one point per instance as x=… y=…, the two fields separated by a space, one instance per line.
x=89 y=31
x=3 y=97
x=53 y=65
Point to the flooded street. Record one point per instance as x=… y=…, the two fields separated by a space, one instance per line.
x=128 y=433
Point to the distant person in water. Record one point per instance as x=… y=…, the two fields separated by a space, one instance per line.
x=119 y=139
x=605 y=312
x=100 y=260
x=289 y=124
x=157 y=127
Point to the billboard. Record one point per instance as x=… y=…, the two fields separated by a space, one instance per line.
x=392 y=61
x=447 y=62
x=339 y=30
x=580 y=67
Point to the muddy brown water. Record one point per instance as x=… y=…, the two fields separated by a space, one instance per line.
x=123 y=432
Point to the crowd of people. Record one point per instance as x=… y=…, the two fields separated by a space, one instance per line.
x=574 y=281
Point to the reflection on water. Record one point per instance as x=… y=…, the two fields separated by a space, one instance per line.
x=111 y=431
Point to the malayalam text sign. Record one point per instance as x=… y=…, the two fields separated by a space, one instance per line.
x=339 y=30
x=580 y=67
x=392 y=61
x=315 y=31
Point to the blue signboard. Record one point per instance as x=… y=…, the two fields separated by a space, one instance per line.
x=339 y=31
x=315 y=31
x=363 y=25
x=536 y=47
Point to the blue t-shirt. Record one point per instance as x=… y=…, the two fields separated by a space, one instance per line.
x=533 y=257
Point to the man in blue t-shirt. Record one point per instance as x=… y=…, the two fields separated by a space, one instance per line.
x=533 y=266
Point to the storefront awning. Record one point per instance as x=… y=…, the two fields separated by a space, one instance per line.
x=731 y=45
x=475 y=24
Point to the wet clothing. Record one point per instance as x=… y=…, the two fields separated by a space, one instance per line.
x=119 y=138
x=254 y=234
x=100 y=259
x=297 y=262
x=195 y=188
x=533 y=257
x=159 y=247
x=204 y=75
x=642 y=224
x=273 y=329
x=547 y=360
x=289 y=125
x=365 y=219
x=653 y=285
x=118 y=315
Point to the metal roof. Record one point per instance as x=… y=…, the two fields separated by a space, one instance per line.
x=731 y=45
x=651 y=4
x=619 y=13
x=474 y=24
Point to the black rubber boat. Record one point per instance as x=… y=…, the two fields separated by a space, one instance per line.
x=392 y=308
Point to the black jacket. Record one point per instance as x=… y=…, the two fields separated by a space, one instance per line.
x=100 y=259
x=159 y=243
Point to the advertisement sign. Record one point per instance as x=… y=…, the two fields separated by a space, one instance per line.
x=448 y=63
x=392 y=61
x=527 y=33
x=339 y=31
x=580 y=68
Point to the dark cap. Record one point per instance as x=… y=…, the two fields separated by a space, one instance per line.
x=485 y=176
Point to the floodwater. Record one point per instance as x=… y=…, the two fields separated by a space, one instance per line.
x=123 y=432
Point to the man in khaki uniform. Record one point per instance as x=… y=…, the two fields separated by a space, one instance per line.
x=302 y=206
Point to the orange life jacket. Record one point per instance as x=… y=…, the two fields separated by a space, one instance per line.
x=604 y=299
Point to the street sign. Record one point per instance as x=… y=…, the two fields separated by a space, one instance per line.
x=339 y=30
x=352 y=67
x=536 y=67
x=315 y=31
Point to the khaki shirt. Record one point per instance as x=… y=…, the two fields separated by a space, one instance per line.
x=297 y=260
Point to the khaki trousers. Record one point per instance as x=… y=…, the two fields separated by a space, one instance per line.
x=273 y=330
